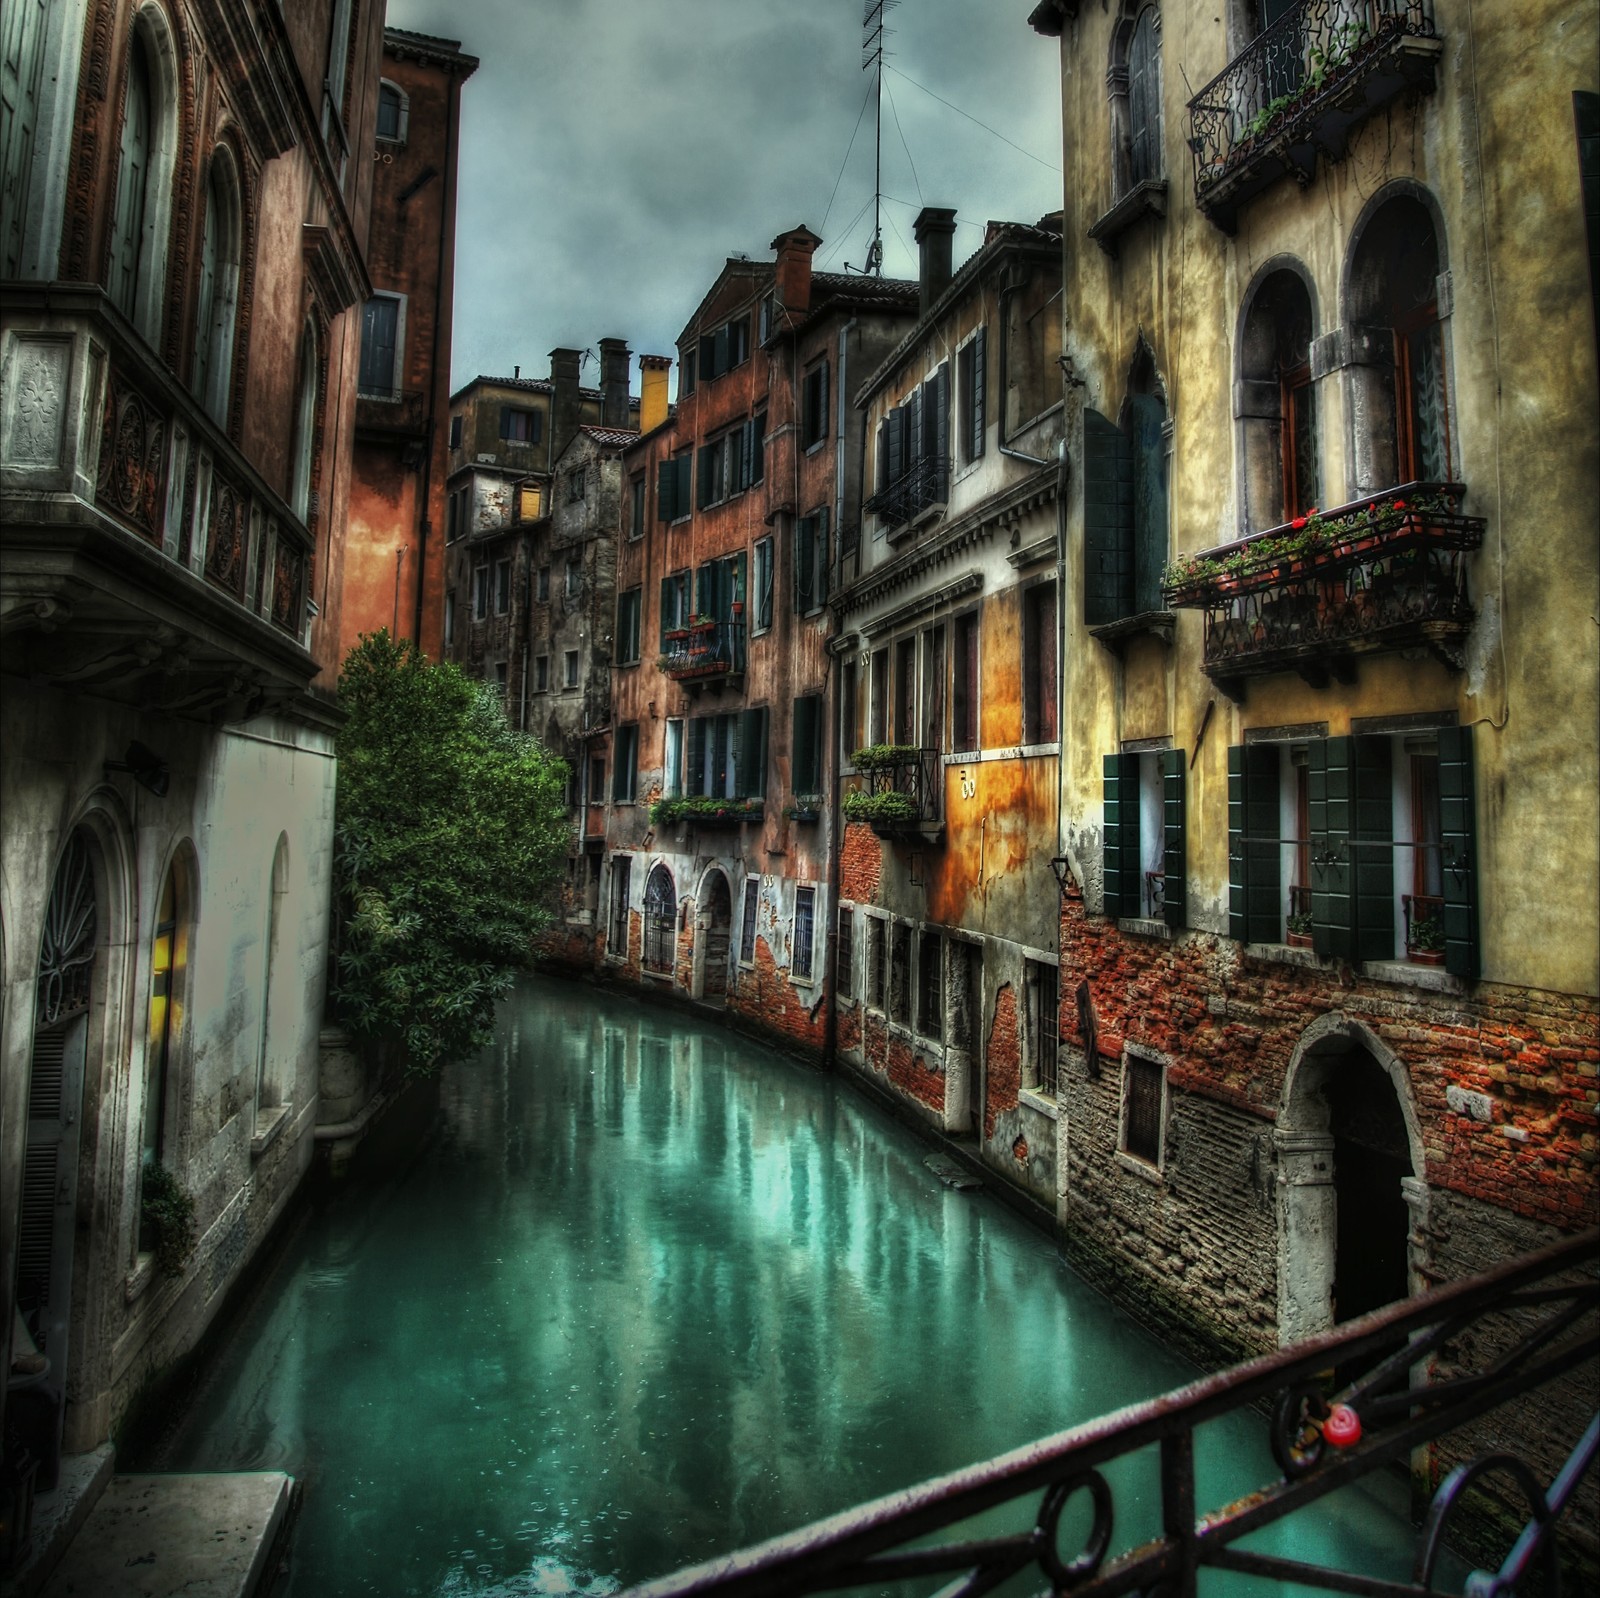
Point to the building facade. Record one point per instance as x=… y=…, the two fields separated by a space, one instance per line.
x=1328 y=778
x=187 y=196
x=394 y=560
x=718 y=834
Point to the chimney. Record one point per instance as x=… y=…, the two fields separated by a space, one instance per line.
x=934 y=226
x=564 y=407
x=653 y=371
x=794 y=250
x=614 y=382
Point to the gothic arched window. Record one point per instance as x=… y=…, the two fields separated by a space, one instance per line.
x=660 y=920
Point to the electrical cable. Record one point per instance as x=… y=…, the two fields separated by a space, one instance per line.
x=970 y=118
x=844 y=163
x=895 y=112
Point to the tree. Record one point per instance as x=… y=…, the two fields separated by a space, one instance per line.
x=450 y=838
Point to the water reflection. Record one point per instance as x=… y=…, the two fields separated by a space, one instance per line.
x=651 y=1293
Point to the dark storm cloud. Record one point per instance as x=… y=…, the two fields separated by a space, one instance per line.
x=615 y=152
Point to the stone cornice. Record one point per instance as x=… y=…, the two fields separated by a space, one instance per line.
x=246 y=65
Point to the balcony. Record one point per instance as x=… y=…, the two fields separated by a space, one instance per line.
x=924 y=486
x=706 y=810
x=144 y=557
x=397 y=413
x=705 y=652
x=900 y=790
x=1380 y=573
x=1297 y=92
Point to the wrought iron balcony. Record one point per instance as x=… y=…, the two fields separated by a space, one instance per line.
x=1380 y=573
x=705 y=652
x=391 y=411
x=1434 y=1365
x=900 y=788
x=144 y=556
x=926 y=483
x=1298 y=89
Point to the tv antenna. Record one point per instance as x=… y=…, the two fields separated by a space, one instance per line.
x=873 y=35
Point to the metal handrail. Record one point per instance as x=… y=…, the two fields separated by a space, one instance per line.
x=925 y=482
x=1321 y=1439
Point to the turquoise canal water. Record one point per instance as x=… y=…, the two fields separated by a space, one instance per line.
x=650 y=1292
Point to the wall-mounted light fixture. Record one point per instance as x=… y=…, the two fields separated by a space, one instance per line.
x=145 y=766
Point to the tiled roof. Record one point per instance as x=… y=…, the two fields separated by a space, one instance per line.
x=611 y=437
x=857 y=287
x=533 y=385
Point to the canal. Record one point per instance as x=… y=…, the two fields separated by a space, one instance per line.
x=648 y=1292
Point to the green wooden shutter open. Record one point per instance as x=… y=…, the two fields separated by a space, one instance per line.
x=706 y=486
x=666 y=489
x=750 y=754
x=805 y=748
x=1174 y=807
x=1331 y=803
x=1459 y=836
x=804 y=565
x=978 y=381
x=1373 y=849
x=1107 y=521
x=895 y=429
x=819 y=556
x=666 y=609
x=1254 y=912
x=695 y=781
x=1120 y=819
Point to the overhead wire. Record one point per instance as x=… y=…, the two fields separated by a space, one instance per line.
x=844 y=163
x=895 y=111
x=969 y=116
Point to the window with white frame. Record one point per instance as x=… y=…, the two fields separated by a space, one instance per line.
x=218 y=299
x=801 y=951
x=747 y=928
x=382 y=337
x=1042 y=1024
x=394 y=113
x=761 y=588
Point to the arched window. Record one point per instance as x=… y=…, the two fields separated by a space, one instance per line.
x=1144 y=98
x=22 y=91
x=218 y=297
x=1402 y=390
x=305 y=425
x=133 y=180
x=144 y=171
x=394 y=112
x=1277 y=408
x=660 y=921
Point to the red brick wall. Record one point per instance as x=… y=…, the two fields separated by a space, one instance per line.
x=860 y=864
x=767 y=997
x=1003 y=1053
x=911 y=1074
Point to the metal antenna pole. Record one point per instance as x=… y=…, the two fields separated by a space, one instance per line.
x=873 y=34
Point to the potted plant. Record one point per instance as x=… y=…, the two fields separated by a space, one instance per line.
x=1298 y=930
x=879 y=809
x=1425 y=942
x=804 y=807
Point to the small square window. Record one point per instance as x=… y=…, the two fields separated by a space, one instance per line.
x=541 y=674
x=570 y=674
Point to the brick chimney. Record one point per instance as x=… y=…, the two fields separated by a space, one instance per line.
x=794 y=250
x=614 y=382
x=564 y=411
x=653 y=371
x=935 y=227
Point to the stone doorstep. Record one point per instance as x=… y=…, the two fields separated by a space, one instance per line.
x=58 y=1514
x=208 y=1536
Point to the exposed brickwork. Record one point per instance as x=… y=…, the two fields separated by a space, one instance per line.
x=767 y=997
x=912 y=1075
x=860 y=864
x=1003 y=1078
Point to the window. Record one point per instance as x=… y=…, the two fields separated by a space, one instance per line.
x=572 y=582
x=1125 y=508
x=930 y=985
x=672 y=760
x=660 y=919
x=628 y=603
x=672 y=486
x=913 y=452
x=26 y=94
x=675 y=604
x=500 y=678
x=844 y=953
x=455 y=432
x=394 y=112
x=480 y=592
x=731 y=463
x=764 y=313
x=302 y=452
x=875 y=962
x=541 y=673
x=905 y=691
x=625 y=764
x=450 y=616
x=814 y=406
x=530 y=502
x=725 y=348
x=805 y=904
x=621 y=882
x=380 y=347
x=747 y=929
x=933 y=688
x=576 y=483
x=143 y=199
x=1144 y=1093
x=849 y=708
x=636 y=506
x=456 y=513
x=1145 y=835
x=218 y=298
x=502 y=587
x=964 y=683
x=900 y=973
x=1136 y=110
x=518 y=426
x=1276 y=403
x=597 y=779
x=570 y=668
x=169 y=953
x=971 y=376
x=686 y=369
x=811 y=563
x=805 y=750
x=1040 y=722
x=878 y=690
x=727 y=755
x=1043 y=1024
x=761 y=598
x=541 y=585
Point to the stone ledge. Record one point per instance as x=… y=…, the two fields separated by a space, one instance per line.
x=1035 y=1100
x=270 y=1121
x=1141 y=1169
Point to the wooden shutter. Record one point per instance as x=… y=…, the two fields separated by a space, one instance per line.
x=132 y=181
x=666 y=491
x=685 y=472
x=913 y=426
x=1148 y=544
x=723 y=361
x=695 y=778
x=758 y=444
x=666 y=609
x=1459 y=833
x=708 y=460
x=821 y=429
x=751 y=754
x=806 y=746
x=379 y=326
x=1107 y=521
x=1331 y=804
x=708 y=357
x=1120 y=818
x=1174 y=814
x=1253 y=870
x=1373 y=848
x=937 y=413
x=804 y=558
x=896 y=429
x=976 y=397
x=21 y=74
x=705 y=589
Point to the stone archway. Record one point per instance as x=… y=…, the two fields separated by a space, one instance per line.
x=713 y=937
x=1349 y=1157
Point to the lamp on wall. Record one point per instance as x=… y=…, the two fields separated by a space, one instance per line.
x=146 y=767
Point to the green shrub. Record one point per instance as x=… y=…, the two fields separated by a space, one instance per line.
x=166 y=1219
x=874 y=757
x=880 y=808
x=704 y=807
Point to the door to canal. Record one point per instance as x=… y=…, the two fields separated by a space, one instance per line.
x=650 y=1292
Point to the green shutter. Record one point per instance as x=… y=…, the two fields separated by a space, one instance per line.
x=819 y=556
x=804 y=556
x=750 y=754
x=803 y=748
x=1254 y=911
x=1148 y=547
x=666 y=490
x=1107 y=521
x=1330 y=791
x=695 y=781
x=1373 y=842
x=666 y=608
x=979 y=378
x=1120 y=818
x=705 y=589
x=706 y=487
x=1174 y=807
x=895 y=429
x=1459 y=835
x=822 y=402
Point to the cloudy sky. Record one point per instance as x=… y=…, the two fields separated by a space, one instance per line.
x=615 y=152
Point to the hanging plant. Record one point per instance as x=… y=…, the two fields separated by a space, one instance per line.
x=166 y=1218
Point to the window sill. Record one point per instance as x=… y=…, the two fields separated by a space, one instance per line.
x=138 y=1280
x=1145 y=1171
x=1160 y=624
x=1428 y=978
x=1285 y=954
x=1035 y=1100
x=1145 y=927
x=270 y=1121
x=1148 y=198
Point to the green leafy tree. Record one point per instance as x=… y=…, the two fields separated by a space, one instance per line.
x=450 y=838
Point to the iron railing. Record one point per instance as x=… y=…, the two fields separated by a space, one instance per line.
x=916 y=776
x=1291 y=91
x=1529 y=1321
x=704 y=651
x=925 y=482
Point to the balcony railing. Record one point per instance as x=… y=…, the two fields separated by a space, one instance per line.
x=1381 y=573
x=1465 y=1351
x=900 y=789
x=390 y=410
x=705 y=651
x=926 y=483
x=1298 y=89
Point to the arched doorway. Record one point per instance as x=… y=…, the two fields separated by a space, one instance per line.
x=716 y=932
x=1349 y=1153
x=660 y=921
